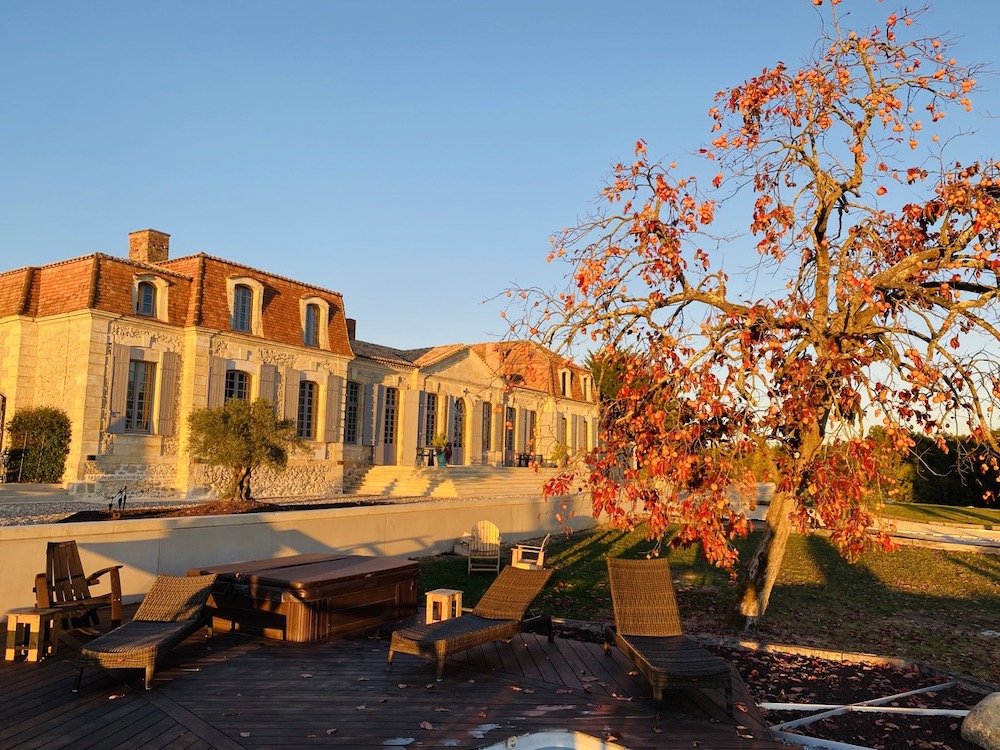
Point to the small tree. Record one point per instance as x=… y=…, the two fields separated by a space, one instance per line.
x=242 y=435
x=39 y=439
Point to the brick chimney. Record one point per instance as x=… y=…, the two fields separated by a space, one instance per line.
x=352 y=328
x=148 y=246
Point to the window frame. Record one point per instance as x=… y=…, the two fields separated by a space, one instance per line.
x=430 y=417
x=306 y=409
x=255 y=288
x=352 y=412
x=159 y=287
x=322 y=311
x=231 y=388
x=143 y=401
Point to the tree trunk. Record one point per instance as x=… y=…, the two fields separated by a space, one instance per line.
x=762 y=570
x=241 y=484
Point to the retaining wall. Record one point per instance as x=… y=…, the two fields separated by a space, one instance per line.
x=147 y=547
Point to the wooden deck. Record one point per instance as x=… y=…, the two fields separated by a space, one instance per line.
x=237 y=691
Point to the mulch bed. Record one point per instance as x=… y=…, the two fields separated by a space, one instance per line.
x=779 y=677
x=792 y=678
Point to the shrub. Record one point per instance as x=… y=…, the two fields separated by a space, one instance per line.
x=39 y=439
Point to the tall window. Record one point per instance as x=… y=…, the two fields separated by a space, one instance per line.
x=351 y=407
x=430 y=419
x=305 y=425
x=508 y=442
x=145 y=302
x=531 y=417
x=237 y=385
x=312 y=325
x=139 y=396
x=458 y=424
x=389 y=426
x=242 y=308
x=487 y=426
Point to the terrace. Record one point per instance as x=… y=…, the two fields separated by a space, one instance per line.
x=238 y=691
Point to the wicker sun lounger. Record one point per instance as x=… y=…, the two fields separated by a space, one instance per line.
x=648 y=631
x=169 y=613
x=498 y=616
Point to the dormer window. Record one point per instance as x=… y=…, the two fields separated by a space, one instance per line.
x=566 y=383
x=146 y=299
x=314 y=313
x=149 y=296
x=246 y=300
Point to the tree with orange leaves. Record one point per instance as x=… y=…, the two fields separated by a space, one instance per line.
x=886 y=271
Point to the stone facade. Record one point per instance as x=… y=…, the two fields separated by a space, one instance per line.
x=130 y=347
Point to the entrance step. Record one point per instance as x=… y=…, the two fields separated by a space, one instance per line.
x=450 y=481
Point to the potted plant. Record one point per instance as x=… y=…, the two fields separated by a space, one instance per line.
x=559 y=454
x=440 y=445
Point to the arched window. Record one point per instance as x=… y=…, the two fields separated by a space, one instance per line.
x=312 y=325
x=145 y=303
x=149 y=296
x=242 y=308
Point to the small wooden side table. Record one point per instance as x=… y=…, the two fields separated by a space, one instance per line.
x=442 y=604
x=33 y=630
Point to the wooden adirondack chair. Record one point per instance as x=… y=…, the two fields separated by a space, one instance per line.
x=484 y=547
x=65 y=586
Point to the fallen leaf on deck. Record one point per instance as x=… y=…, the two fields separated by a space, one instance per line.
x=426 y=725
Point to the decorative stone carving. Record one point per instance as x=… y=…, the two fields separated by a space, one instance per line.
x=168 y=446
x=107 y=443
x=121 y=333
x=982 y=726
x=220 y=348
x=165 y=342
x=281 y=359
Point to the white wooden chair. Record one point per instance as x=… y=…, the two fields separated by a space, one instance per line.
x=484 y=547
x=529 y=556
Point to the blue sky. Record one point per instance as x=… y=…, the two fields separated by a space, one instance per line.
x=415 y=156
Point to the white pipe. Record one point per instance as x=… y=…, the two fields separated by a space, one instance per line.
x=957 y=713
x=818 y=742
x=844 y=709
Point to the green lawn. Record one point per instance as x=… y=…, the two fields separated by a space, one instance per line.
x=926 y=605
x=943 y=513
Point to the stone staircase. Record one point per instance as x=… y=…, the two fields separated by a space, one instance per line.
x=450 y=481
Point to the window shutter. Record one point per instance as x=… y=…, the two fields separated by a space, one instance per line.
x=169 y=382
x=268 y=383
x=216 y=381
x=521 y=441
x=334 y=399
x=379 y=414
x=291 y=400
x=421 y=419
x=367 y=413
x=120 y=355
